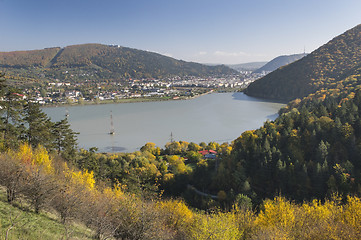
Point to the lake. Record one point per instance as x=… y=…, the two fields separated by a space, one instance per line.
x=218 y=117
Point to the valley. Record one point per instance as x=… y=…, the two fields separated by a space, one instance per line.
x=265 y=145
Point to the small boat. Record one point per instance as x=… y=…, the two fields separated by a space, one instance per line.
x=67 y=113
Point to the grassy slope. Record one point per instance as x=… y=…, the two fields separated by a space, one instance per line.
x=29 y=225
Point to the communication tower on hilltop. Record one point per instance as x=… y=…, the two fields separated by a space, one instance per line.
x=171 y=137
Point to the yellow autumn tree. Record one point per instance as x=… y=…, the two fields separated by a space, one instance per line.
x=83 y=178
x=177 y=164
x=25 y=153
x=38 y=175
x=77 y=192
x=351 y=214
x=277 y=212
x=41 y=158
x=38 y=157
x=216 y=226
x=177 y=216
x=320 y=220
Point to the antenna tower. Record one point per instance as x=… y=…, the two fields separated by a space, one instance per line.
x=171 y=137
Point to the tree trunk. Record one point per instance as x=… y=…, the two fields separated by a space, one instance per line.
x=10 y=195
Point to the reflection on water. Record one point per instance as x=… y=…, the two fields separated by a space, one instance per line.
x=244 y=97
x=114 y=149
x=272 y=117
x=219 y=117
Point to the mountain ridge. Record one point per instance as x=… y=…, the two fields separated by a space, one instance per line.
x=249 y=66
x=99 y=61
x=279 y=61
x=322 y=68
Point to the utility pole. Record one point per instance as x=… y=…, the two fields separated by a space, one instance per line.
x=111 y=124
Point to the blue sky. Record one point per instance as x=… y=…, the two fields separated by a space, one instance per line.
x=207 y=31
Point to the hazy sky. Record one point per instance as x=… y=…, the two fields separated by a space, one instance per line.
x=208 y=31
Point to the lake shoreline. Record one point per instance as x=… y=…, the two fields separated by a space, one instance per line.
x=212 y=117
x=127 y=100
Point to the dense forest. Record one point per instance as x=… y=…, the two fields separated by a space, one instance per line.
x=322 y=68
x=100 y=62
x=307 y=153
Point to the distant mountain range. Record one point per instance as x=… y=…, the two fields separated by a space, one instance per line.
x=334 y=67
x=259 y=67
x=279 y=62
x=97 y=61
x=252 y=66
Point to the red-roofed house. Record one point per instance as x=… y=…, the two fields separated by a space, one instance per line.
x=208 y=154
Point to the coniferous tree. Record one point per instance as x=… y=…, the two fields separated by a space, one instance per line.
x=322 y=151
x=39 y=126
x=2 y=84
x=65 y=139
x=11 y=124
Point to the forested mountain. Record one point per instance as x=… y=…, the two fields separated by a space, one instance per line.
x=27 y=59
x=322 y=69
x=312 y=149
x=279 y=62
x=97 y=61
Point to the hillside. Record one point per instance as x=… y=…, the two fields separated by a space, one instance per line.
x=98 y=62
x=26 y=59
x=322 y=69
x=247 y=66
x=279 y=62
x=22 y=223
x=77 y=200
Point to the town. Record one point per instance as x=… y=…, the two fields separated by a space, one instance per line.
x=58 y=92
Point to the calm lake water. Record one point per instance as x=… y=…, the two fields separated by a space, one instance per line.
x=219 y=117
